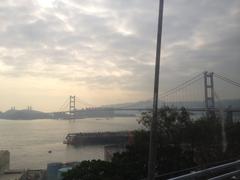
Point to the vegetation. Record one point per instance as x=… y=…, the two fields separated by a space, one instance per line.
x=182 y=143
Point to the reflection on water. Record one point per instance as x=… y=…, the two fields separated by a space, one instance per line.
x=29 y=142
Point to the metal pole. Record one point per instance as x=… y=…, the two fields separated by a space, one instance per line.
x=153 y=135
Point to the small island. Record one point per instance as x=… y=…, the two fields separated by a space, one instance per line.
x=27 y=114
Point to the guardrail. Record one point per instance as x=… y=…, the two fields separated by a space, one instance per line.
x=219 y=172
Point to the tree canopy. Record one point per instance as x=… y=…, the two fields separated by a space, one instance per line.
x=182 y=143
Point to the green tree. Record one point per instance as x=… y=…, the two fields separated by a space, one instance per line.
x=182 y=143
x=172 y=152
x=92 y=170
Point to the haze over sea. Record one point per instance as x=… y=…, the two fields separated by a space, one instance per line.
x=30 y=140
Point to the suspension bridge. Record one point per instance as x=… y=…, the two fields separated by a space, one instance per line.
x=203 y=93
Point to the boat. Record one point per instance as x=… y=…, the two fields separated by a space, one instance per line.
x=97 y=138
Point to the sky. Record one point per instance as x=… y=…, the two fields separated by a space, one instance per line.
x=103 y=51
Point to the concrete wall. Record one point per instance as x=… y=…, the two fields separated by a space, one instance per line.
x=4 y=160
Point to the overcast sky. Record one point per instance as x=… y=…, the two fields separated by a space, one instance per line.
x=103 y=51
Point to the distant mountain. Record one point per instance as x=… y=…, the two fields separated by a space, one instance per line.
x=234 y=103
x=139 y=104
x=23 y=114
x=32 y=114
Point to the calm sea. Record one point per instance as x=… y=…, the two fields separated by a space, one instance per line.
x=30 y=140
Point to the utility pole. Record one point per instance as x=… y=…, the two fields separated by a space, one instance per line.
x=153 y=131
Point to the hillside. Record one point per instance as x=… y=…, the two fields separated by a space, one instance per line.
x=234 y=103
x=23 y=114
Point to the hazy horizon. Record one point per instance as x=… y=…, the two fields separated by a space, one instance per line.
x=104 y=51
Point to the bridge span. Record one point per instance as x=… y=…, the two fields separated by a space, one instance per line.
x=202 y=89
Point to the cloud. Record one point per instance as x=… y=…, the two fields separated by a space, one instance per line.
x=104 y=43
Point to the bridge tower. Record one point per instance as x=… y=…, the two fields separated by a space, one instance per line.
x=72 y=107
x=209 y=92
